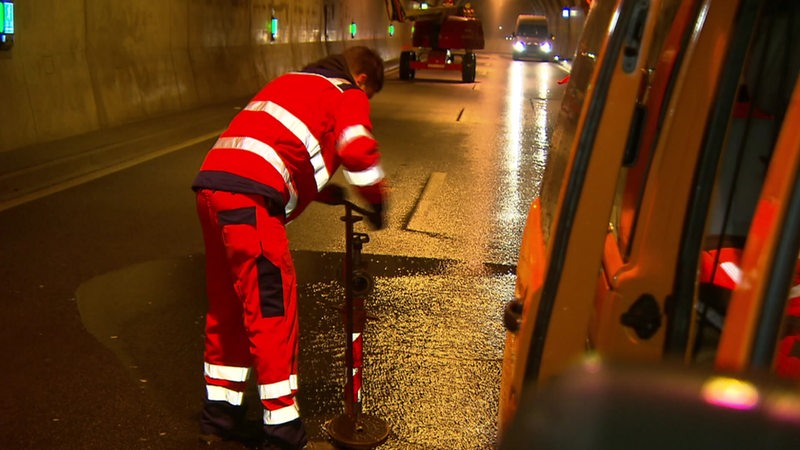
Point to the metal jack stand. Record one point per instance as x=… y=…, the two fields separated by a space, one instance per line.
x=354 y=429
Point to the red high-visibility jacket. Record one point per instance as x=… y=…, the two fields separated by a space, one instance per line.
x=291 y=138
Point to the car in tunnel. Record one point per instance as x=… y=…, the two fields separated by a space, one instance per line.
x=666 y=234
x=532 y=39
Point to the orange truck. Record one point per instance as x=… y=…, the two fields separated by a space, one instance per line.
x=662 y=252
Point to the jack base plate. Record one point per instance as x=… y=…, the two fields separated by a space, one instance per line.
x=365 y=433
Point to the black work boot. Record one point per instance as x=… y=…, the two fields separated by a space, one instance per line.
x=221 y=421
x=286 y=436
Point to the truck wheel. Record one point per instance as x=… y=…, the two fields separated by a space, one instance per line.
x=406 y=72
x=468 y=66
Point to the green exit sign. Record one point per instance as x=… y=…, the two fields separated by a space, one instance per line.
x=6 y=25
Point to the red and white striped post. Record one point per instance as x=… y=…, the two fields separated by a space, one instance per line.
x=354 y=429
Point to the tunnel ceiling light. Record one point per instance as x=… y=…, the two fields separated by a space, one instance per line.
x=353 y=29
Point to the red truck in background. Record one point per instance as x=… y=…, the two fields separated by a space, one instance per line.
x=444 y=37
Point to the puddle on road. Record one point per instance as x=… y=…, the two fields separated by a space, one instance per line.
x=116 y=306
x=433 y=345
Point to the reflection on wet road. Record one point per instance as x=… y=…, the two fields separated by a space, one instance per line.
x=433 y=341
x=433 y=346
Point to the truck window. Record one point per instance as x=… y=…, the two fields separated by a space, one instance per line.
x=594 y=35
x=632 y=176
x=766 y=83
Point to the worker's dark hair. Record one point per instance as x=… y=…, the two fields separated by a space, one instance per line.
x=364 y=60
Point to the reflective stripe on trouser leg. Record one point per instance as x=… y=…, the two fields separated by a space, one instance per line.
x=227 y=347
x=278 y=400
x=224 y=383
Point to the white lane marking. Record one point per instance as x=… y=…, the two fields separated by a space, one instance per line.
x=49 y=190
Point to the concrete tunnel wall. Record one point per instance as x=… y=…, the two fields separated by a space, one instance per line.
x=82 y=65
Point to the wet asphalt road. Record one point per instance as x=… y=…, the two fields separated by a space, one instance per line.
x=102 y=283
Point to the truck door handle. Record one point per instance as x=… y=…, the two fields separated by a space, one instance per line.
x=644 y=317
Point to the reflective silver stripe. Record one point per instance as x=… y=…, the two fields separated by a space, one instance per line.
x=301 y=132
x=365 y=177
x=277 y=390
x=227 y=373
x=350 y=133
x=221 y=394
x=266 y=152
x=358 y=392
x=336 y=82
x=282 y=415
x=733 y=271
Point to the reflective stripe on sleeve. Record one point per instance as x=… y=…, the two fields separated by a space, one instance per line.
x=282 y=415
x=268 y=154
x=301 y=132
x=227 y=373
x=338 y=82
x=280 y=389
x=335 y=82
x=733 y=271
x=351 y=133
x=221 y=394
x=365 y=177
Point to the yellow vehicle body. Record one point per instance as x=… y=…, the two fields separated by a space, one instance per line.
x=678 y=128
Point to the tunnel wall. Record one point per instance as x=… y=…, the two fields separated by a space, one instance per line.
x=82 y=65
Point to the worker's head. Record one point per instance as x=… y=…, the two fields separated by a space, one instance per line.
x=366 y=67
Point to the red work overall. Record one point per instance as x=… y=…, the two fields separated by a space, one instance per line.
x=275 y=157
x=787 y=358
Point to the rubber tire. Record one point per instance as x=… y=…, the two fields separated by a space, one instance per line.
x=469 y=65
x=406 y=72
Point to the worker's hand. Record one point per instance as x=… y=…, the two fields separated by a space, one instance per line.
x=377 y=217
x=332 y=194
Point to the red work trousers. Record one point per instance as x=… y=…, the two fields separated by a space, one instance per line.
x=252 y=303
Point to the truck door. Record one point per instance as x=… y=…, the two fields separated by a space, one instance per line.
x=566 y=227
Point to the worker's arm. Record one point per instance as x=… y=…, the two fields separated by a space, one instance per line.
x=358 y=150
